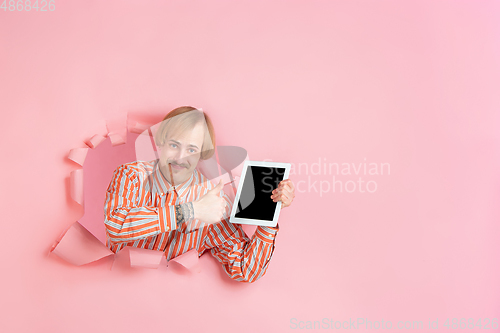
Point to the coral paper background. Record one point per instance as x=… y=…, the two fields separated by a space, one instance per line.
x=410 y=83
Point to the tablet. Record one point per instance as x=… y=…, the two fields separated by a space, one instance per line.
x=253 y=203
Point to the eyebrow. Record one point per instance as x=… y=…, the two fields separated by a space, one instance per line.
x=190 y=145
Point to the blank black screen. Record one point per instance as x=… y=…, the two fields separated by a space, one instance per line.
x=255 y=198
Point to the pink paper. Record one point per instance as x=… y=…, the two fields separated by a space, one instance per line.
x=79 y=247
x=78 y=155
x=144 y=257
x=117 y=131
x=76 y=185
x=189 y=260
x=409 y=83
x=144 y=147
x=95 y=141
x=116 y=139
x=137 y=127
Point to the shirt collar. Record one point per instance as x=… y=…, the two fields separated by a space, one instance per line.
x=162 y=186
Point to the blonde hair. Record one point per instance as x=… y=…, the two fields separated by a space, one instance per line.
x=185 y=118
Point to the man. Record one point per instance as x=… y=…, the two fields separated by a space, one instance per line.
x=168 y=205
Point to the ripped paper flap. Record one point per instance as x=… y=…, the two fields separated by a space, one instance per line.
x=189 y=260
x=79 y=247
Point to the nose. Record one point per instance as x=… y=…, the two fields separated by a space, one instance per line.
x=180 y=156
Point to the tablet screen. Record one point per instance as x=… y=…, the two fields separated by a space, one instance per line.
x=255 y=198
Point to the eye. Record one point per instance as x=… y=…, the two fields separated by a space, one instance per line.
x=173 y=145
x=192 y=151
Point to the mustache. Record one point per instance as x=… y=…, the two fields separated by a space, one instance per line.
x=177 y=164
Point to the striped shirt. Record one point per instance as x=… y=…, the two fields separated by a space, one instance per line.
x=140 y=211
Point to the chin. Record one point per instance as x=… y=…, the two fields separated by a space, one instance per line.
x=183 y=175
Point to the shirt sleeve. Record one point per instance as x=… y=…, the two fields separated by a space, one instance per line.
x=242 y=258
x=125 y=220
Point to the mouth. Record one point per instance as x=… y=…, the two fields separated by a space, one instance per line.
x=177 y=166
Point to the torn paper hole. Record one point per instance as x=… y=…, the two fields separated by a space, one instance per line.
x=84 y=241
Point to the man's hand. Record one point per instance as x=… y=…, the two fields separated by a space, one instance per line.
x=210 y=207
x=284 y=193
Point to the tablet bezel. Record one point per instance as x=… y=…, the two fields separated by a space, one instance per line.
x=239 y=220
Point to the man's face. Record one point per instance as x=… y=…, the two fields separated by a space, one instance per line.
x=182 y=150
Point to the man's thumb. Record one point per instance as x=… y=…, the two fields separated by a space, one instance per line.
x=219 y=187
